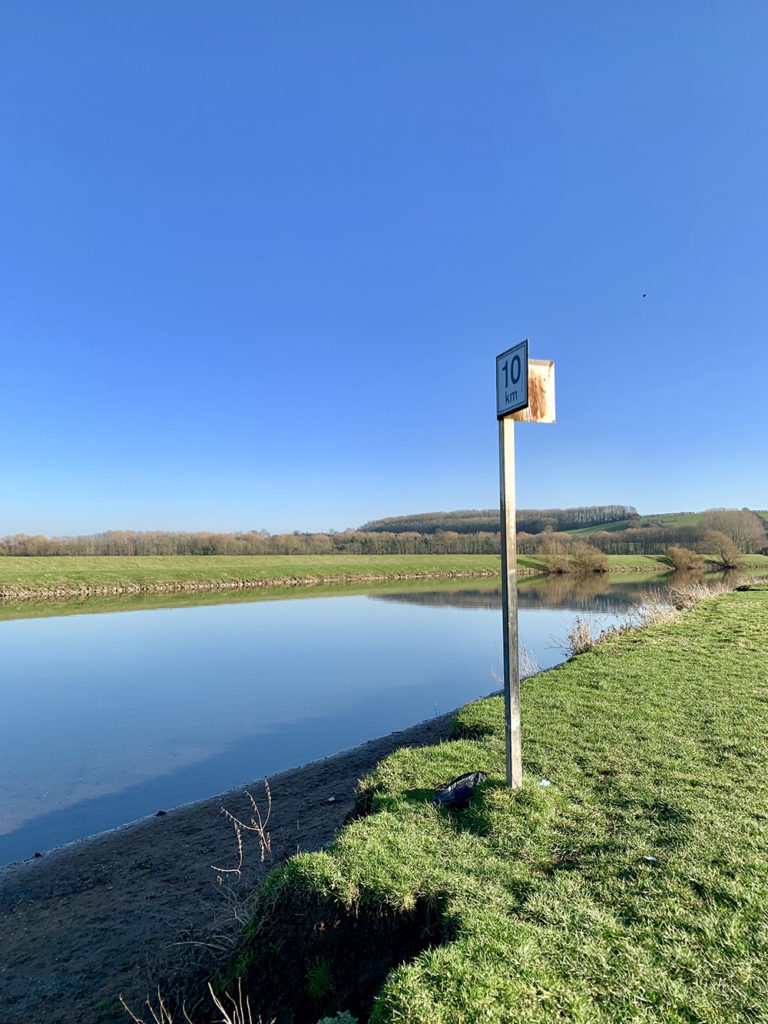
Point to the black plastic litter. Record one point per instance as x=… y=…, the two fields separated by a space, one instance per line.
x=459 y=791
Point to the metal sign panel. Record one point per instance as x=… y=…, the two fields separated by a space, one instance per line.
x=541 y=393
x=512 y=380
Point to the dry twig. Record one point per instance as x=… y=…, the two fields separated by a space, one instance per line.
x=258 y=826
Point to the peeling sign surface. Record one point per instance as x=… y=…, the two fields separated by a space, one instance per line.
x=541 y=393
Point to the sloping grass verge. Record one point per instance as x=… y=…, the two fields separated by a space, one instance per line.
x=632 y=887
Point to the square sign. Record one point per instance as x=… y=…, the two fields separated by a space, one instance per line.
x=512 y=380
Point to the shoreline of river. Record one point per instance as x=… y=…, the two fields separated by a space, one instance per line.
x=141 y=906
x=12 y=594
x=280 y=582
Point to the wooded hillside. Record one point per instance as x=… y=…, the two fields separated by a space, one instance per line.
x=476 y=521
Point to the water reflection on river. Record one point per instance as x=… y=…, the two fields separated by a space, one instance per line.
x=108 y=717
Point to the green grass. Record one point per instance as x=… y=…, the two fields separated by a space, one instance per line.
x=624 y=562
x=77 y=573
x=615 y=527
x=619 y=563
x=80 y=572
x=634 y=888
x=661 y=519
x=70 y=575
x=755 y=562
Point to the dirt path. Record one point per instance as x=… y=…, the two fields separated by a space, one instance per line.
x=141 y=906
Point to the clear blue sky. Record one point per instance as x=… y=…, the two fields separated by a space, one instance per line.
x=259 y=257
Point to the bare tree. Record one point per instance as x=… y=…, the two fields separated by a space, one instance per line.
x=726 y=552
x=745 y=529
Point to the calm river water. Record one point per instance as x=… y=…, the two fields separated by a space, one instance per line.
x=109 y=717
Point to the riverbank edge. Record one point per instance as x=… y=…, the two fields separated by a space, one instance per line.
x=326 y=882
x=192 y=586
x=103 y=916
x=438 y=727
x=117 y=909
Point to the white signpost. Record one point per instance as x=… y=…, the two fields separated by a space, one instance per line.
x=525 y=391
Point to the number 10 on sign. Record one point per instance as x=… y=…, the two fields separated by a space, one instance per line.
x=512 y=380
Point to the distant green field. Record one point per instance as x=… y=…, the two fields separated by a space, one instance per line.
x=619 y=563
x=615 y=527
x=663 y=519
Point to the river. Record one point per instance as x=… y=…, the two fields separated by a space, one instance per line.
x=112 y=715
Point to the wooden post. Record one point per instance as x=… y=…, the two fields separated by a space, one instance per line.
x=509 y=603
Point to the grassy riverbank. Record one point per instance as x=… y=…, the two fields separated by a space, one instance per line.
x=75 y=576
x=631 y=888
x=100 y=575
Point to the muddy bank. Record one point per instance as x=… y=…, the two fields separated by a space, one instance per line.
x=142 y=906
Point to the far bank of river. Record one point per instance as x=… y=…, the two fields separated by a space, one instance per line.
x=107 y=576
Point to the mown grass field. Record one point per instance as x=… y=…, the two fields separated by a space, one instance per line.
x=633 y=888
x=75 y=572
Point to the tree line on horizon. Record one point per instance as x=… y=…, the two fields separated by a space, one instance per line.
x=461 y=532
x=158 y=542
x=531 y=520
x=744 y=528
